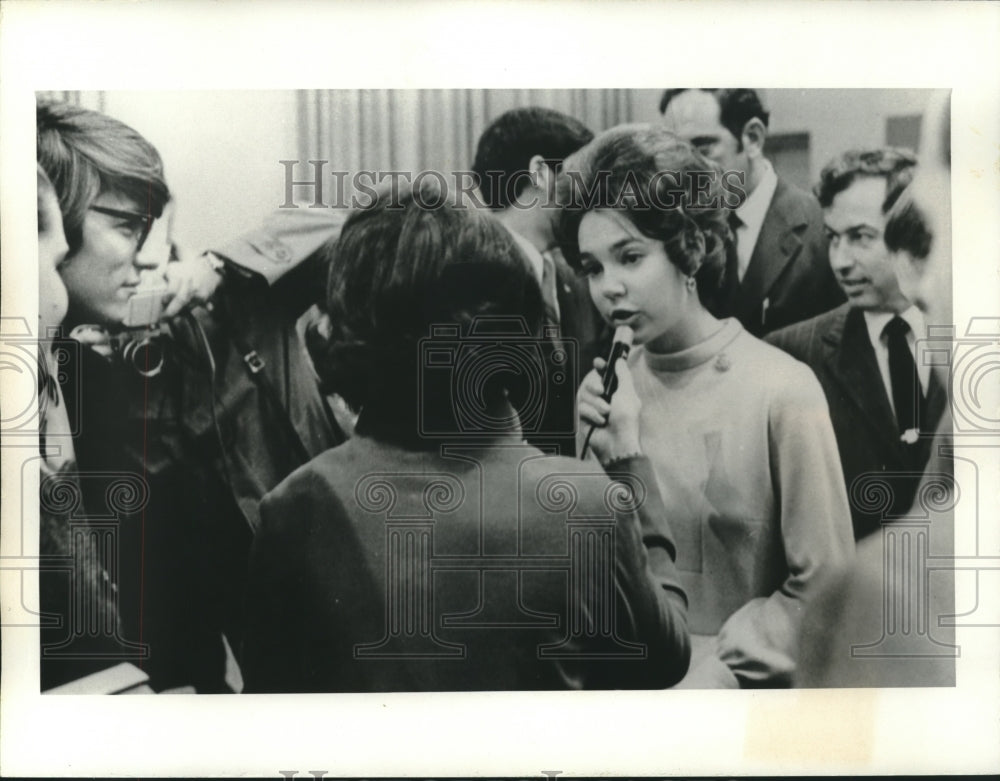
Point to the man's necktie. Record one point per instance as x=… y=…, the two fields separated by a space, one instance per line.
x=906 y=393
x=731 y=282
x=550 y=291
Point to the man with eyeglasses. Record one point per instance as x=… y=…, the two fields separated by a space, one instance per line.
x=885 y=403
x=230 y=408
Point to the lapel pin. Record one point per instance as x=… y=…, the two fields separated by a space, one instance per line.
x=910 y=436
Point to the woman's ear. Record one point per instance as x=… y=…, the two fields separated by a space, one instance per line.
x=542 y=176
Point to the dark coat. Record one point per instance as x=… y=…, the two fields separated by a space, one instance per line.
x=207 y=442
x=789 y=268
x=837 y=347
x=384 y=569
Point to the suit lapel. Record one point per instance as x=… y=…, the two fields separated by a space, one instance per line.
x=934 y=405
x=778 y=242
x=851 y=360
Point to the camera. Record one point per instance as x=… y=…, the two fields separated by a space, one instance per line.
x=145 y=308
x=28 y=374
x=140 y=347
x=462 y=375
x=972 y=363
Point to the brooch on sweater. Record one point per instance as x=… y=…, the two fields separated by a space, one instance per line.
x=722 y=363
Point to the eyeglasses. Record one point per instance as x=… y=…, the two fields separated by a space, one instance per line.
x=145 y=220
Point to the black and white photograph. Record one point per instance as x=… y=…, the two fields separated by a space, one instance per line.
x=426 y=410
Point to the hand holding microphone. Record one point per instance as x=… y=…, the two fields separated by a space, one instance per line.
x=607 y=401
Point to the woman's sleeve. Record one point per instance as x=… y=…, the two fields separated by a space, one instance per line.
x=759 y=642
x=655 y=602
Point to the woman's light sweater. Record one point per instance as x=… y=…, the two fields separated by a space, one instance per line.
x=741 y=444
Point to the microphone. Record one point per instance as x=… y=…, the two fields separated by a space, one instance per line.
x=620 y=347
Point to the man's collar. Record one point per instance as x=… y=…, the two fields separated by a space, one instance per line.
x=753 y=210
x=530 y=251
x=876 y=322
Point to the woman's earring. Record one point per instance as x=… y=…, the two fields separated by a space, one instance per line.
x=690 y=284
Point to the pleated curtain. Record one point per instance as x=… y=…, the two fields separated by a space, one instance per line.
x=415 y=130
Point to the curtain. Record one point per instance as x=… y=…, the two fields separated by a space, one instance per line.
x=415 y=130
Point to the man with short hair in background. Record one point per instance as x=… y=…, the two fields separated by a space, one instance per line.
x=889 y=586
x=779 y=274
x=518 y=157
x=884 y=402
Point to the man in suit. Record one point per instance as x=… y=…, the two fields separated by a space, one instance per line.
x=780 y=273
x=844 y=639
x=868 y=353
x=517 y=160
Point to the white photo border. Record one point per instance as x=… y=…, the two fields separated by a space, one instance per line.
x=222 y=45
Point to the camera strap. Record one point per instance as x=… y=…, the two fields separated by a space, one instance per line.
x=256 y=368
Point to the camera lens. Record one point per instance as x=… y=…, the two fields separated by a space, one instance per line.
x=145 y=355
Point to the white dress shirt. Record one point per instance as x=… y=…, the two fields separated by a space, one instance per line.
x=876 y=323
x=752 y=213
x=543 y=266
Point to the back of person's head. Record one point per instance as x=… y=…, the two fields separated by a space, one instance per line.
x=908 y=226
x=669 y=191
x=736 y=106
x=918 y=225
x=411 y=261
x=512 y=139
x=85 y=153
x=896 y=166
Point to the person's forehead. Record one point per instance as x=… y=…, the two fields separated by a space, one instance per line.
x=604 y=227
x=112 y=199
x=693 y=113
x=859 y=204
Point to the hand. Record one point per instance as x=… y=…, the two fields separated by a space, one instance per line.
x=617 y=424
x=191 y=280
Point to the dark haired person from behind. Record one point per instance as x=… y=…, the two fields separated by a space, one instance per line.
x=737 y=432
x=782 y=275
x=435 y=550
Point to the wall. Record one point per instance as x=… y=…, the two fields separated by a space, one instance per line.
x=220 y=151
x=835 y=119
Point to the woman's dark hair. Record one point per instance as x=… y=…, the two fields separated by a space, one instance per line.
x=85 y=153
x=669 y=191
x=414 y=261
